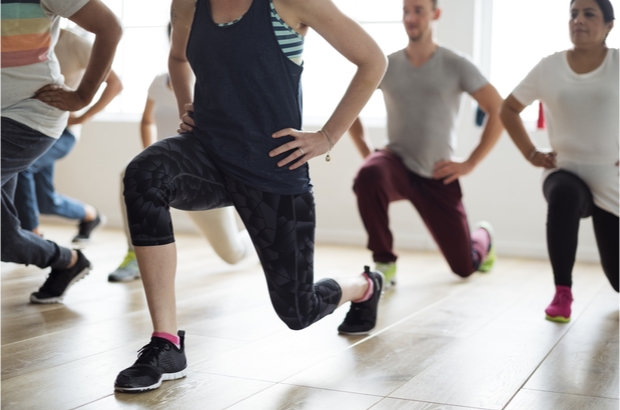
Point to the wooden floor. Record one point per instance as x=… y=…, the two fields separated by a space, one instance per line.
x=441 y=342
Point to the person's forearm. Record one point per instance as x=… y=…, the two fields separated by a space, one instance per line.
x=113 y=88
x=100 y=64
x=362 y=144
x=181 y=77
x=516 y=130
x=146 y=134
x=490 y=135
x=363 y=85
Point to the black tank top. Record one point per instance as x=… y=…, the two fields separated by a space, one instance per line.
x=246 y=89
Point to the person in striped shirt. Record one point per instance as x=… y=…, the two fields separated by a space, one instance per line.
x=35 y=110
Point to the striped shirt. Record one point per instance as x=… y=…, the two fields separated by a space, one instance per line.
x=30 y=30
x=290 y=41
x=26 y=36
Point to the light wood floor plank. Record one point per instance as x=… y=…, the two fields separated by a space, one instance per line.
x=87 y=380
x=585 y=362
x=286 y=397
x=197 y=391
x=488 y=368
x=540 y=400
x=441 y=342
x=389 y=359
x=396 y=404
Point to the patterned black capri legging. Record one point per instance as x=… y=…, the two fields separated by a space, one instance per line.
x=178 y=172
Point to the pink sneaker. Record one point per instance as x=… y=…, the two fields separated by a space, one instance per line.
x=559 y=309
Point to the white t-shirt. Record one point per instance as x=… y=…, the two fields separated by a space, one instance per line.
x=582 y=115
x=28 y=64
x=73 y=53
x=166 y=112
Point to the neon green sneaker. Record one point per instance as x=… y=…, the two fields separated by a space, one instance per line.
x=127 y=271
x=389 y=272
x=489 y=261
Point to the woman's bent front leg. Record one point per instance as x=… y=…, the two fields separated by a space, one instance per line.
x=173 y=172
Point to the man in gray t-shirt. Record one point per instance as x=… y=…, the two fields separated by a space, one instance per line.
x=423 y=88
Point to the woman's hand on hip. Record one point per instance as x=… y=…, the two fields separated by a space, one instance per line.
x=187 y=121
x=305 y=146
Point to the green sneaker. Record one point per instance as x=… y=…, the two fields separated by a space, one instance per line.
x=127 y=271
x=389 y=272
x=489 y=261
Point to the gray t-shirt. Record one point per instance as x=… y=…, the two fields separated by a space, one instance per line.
x=423 y=104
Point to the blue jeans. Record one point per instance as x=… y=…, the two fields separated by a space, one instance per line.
x=21 y=146
x=35 y=193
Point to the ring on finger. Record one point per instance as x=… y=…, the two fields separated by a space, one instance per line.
x=302 y=151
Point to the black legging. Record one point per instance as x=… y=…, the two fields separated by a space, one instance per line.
x=569 y=200
x=178 y=172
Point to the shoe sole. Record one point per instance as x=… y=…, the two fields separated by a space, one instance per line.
x=558 y=319
x=489 y=228
x=58 y=299
x=390 y=285
x=164 y=377
x=120 y=280
x=487 y=269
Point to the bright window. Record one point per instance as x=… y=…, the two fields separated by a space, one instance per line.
x=523 y=32
x=143 y=53
x=327 y=74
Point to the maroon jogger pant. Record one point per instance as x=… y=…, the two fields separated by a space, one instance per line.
x=383 y=178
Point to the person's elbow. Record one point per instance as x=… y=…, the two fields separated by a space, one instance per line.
x=111 y=29
x=375 y=63
x=117 y=88
x=381 y=64
x=506 y=113
x=113 y=84
x=489 y=100
x=116 y=31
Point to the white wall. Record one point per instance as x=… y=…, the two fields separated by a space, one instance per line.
x=504 y=189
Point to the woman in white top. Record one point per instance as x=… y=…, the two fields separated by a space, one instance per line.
x=579 y=90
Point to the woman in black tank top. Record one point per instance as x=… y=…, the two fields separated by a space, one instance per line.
x=241 y=144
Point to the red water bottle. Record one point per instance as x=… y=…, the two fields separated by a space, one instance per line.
x=540 y=124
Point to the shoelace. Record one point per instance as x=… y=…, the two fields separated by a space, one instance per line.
x=149 y=353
